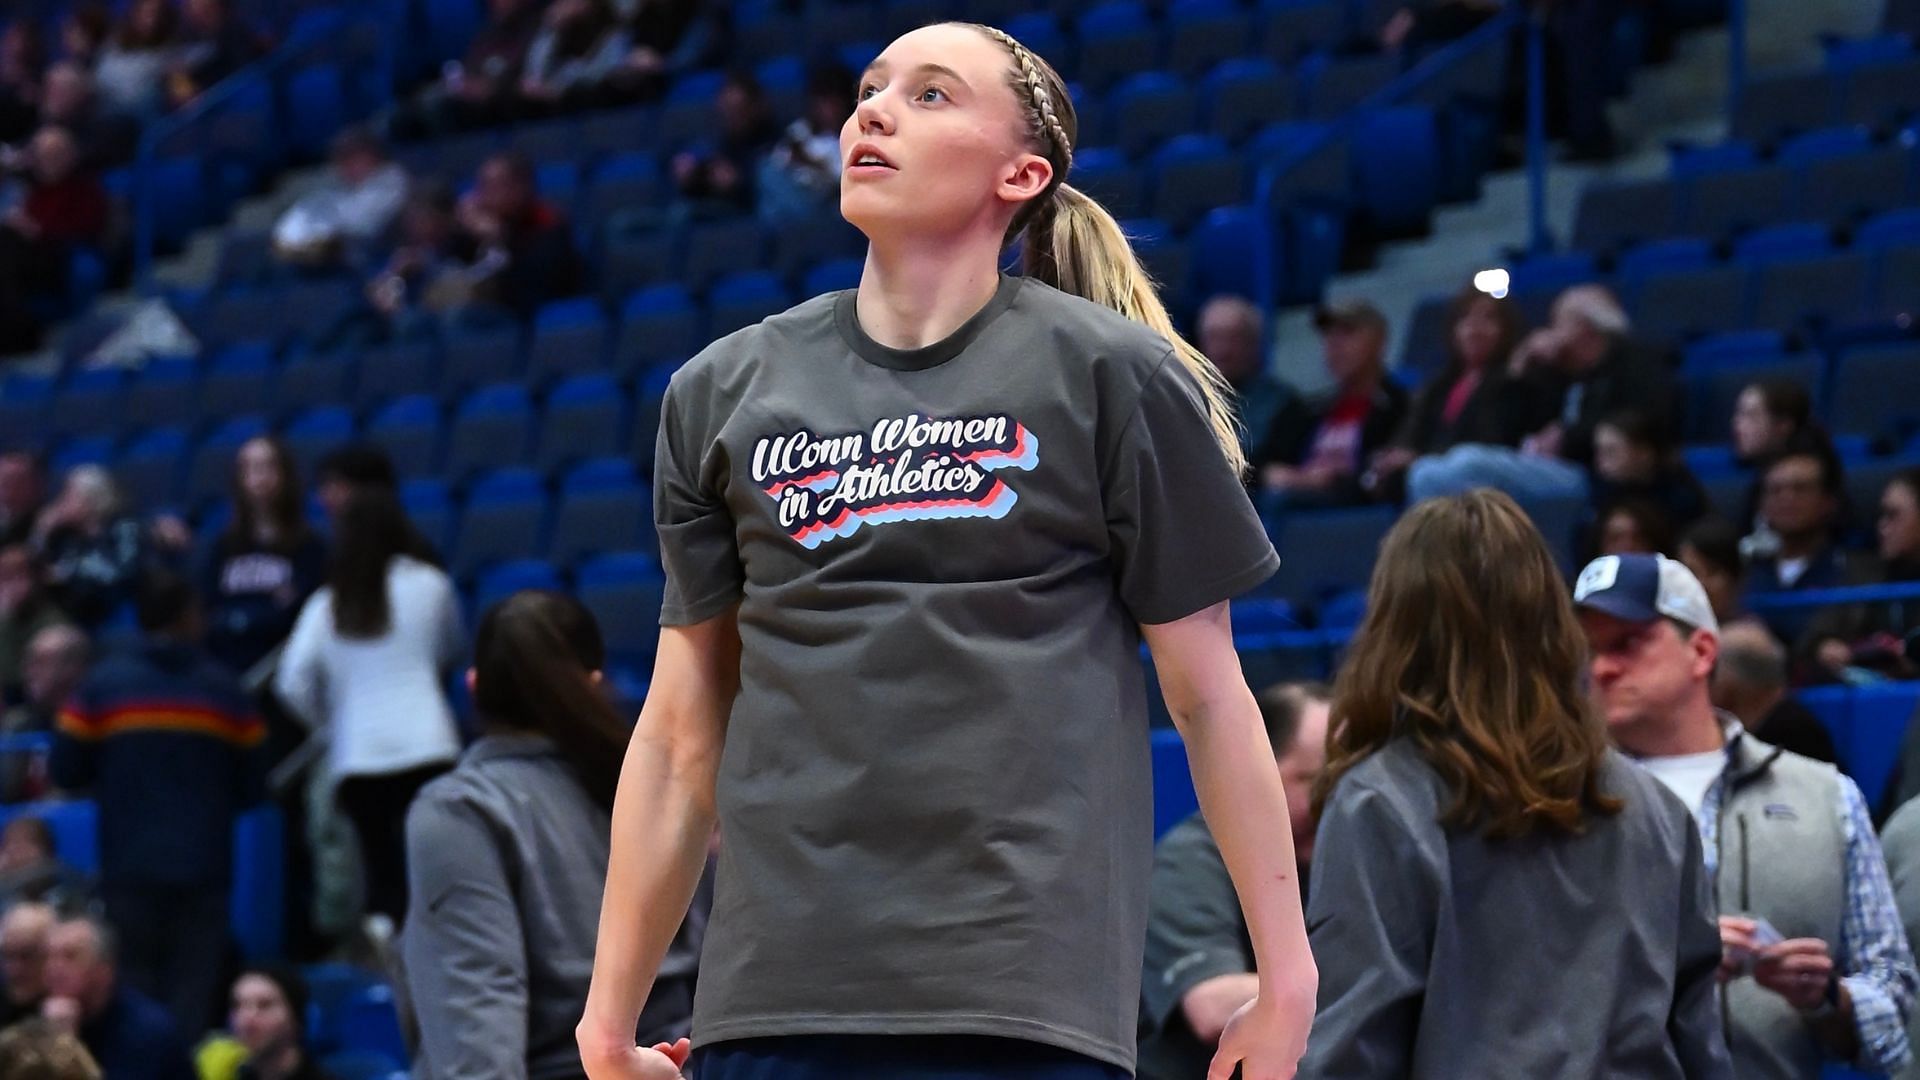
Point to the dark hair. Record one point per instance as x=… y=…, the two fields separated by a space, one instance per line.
x=1654 y=525
x=1785 y=400
x=94 y=20
x=1504 y=311
x=292 y=986
x=577 y=37
x=1440 y=661
x=1814 y=445
x=361 y=464
x=37 y=828
x=517 y=164
x=162 y=599
x=129 y=37
x=287 y=515
x=1642 y=428
x=1718 y=542
x=373 y=532
x=533 y=654
x=1281 y=706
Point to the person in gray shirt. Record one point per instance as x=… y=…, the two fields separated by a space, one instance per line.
x=1496 y=893
x=914 y=536
x=507 y=853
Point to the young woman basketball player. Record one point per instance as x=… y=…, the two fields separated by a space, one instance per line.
x=914 y=534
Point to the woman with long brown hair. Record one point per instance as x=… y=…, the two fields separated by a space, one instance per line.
x=265 y=563
x=1496 y=892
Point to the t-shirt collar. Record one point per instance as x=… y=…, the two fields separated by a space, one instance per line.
x=927 y=356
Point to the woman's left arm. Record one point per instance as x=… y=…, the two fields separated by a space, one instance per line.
x=1238 y=781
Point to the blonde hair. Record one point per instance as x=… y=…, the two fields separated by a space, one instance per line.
x=34 y=1050
x=1073 y=244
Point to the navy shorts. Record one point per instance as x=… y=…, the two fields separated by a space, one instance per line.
x=894 y=1057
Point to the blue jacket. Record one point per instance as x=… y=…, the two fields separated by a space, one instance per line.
x=134 y=1038
x=165 y=738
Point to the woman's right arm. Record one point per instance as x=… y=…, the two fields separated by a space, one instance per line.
x=298 y=680
x=663 y=817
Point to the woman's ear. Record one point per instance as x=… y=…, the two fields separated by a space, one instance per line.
x=1027 y=177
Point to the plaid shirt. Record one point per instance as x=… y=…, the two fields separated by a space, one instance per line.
x=1872 y=956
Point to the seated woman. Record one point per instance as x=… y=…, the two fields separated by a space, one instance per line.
x=269 y=1021
x=1632 y=527
x=1883 y=638
x=1634 y=458
x=1711 y=549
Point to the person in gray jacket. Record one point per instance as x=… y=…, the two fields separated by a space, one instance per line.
x=1816 y=965
x=1900 y=839
x=507 y=854
x=1496 y=893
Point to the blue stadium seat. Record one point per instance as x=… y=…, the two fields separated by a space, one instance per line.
x=161 y=392
x=81 y=450
x=479 y=356
x=1164 y=255
x=584 y=417
x=492 y=429
x=1876 y=390
x=1293 y=28
x=239 y=380
x=1725 y=202
x=316 y=101
x=409 y=430
x=397 y=370
x=833 y=23
x=569 y=338
x=901 y=16
x=329 y=988
x=1203 y=33
x=624 y=593
x=1149 y=109
x=1195 y=174
x=1881 y=94
x=1288 y=656
x=656 y=324
x=504 y=579
x=1174 y=799
x=178 y=185
x=1897 y=282
x=715 y=248
x=1117 y=38
x=1263 y=616
x=1039 y=32
x=1795 y=240
x=604 y=506
x=632 y=258
x=1107 y=176
x=1233 y=250
x=741 y=300
x=258 y=901
x=1617 y=214
x=554 y=140
x=625 y=181
x=816 y=239
x=430 y=506
x=1842 y=189
x=1396 y=160
x=1847 y=55
x=1773 y=107
x=73 y=823
x=1239 y=97
x=1866 y=480
x=1665 y=256
x=1880 y=718
x=370 y=1023
x=312 y=379
x=613 y=132
x=1735 y=348
x=311 y=435
x=450 y=25
x=25 y=401
x=558 y=182
x=503 y=519
x=361 y=1065
x=1328 y=551
x=1673 y=307
x=1823 y=289
x=1334 y=86
x=1554 y=272
x=150 y=468
x=764 y=31
x=210 y=470
x=1712 y=389
x=89 y=402
x=833 y=276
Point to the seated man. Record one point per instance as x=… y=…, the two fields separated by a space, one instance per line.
x=130 y=1034
x=1751 y=683
x=24 y=933
x=1199 y=961
x=1317 y=455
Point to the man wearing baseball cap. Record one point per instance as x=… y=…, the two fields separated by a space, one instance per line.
x=1318 y=454
x=1816 y=965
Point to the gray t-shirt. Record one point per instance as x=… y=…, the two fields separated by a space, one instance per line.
x=935 y=793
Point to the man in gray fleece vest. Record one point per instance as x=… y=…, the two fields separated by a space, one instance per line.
x=1816 y=966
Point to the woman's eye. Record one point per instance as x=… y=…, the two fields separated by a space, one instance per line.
x=933 y=93
x=868 y=91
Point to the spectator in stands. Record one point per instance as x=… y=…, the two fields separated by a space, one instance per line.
x=669 y=37
x=30 y=871
x=1468 y=781
x=338 y=221
x=431 y=272
x=1801 y=493
x=800 y=177
x=476 y=90
x=1801 y=860
x=581 y=43
x=268 y=1016
x=1750 y=683
x=56 y=664
x=366 y=662
x=131 y=70
x=1768 y=415
x=1634 y=457
x=164 y=737
x=215 y=43
x=508 y=856
x=1632 y=527
x=357 y=467
x=1585 y=367
x=66 y=209
x=1199 y=960
x=525 y=247
x=92 y=550
x=1882 y=637
x=265 y=563
x=1315 y=456
x=129 y=1033
x=23 y=494
x=37 y=1050
x=25 y=610
x=1231 y=332
x=1710 y=550
x=23 y=62
x=1471 y=401
x=718 y=178
x=24 y=930
x=85 y=31
x=1900 y=839
x=105 y=138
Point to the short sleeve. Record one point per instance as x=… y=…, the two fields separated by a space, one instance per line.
x=698 y=548
x=1195 y=930
x=1184 y=533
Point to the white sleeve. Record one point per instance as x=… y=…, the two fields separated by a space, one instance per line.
x=300 y=680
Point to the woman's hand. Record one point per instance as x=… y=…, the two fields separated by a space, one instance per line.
x=662 y=1061
x=1268 y=1035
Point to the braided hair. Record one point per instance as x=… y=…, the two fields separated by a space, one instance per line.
x=1069 y=241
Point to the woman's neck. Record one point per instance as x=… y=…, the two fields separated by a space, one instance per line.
x=917 y=292
x=278 y=1064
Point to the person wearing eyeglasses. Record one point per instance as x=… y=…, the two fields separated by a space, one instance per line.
x=1801 y=495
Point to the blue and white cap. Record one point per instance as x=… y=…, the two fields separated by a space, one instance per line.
x=1642 y=588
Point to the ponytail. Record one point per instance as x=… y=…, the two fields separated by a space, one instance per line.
x=534 y=655
x=1074 y=245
